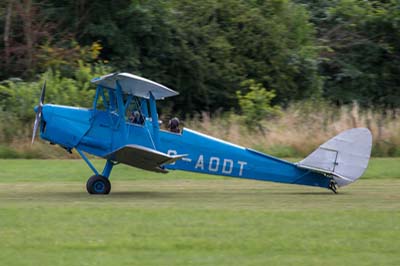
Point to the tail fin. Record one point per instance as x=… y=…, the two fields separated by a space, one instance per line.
x=345 y=156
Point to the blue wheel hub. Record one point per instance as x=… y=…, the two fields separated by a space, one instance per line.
x=99 y=186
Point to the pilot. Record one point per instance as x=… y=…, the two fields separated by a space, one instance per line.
x=136 y=118
x=173 y=125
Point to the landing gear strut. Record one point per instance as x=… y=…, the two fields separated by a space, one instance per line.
x=332 y=186
x=98 y=183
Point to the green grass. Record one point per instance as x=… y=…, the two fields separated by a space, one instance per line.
x=47 y=218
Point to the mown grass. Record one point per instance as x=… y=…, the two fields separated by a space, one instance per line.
x=47 y=218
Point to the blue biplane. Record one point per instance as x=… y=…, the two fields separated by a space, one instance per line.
x=122 y=126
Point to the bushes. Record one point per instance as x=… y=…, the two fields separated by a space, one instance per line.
x=19 y=97
x=302 y=127
x=256 y=104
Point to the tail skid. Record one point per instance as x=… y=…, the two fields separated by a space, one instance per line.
x=344 y=157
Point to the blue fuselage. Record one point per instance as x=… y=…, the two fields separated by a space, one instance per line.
x=100 y=132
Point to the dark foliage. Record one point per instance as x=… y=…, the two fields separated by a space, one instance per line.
x=341 y=50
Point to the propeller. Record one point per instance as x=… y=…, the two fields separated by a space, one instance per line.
x=39 y=112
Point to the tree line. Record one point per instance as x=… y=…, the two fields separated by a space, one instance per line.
x=340 y=50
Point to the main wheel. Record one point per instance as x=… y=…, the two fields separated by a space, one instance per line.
x=98 y=184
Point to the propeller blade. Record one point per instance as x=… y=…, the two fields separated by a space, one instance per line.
x=43 y=93
x=38 y=117
x=35 y=126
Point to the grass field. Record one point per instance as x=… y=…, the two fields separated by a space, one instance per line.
x=47 y=218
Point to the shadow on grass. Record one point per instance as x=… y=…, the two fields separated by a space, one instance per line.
x=113 y=195
x=69 y=196
x=142 y=194
x=310 y=193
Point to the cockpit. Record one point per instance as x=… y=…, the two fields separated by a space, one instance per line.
x=132 y=99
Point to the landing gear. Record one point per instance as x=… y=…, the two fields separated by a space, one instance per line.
x=98 y=184
x=332 y=186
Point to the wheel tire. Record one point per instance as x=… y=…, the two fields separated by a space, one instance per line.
x=98 y=184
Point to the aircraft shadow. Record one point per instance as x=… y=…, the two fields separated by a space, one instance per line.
x=68 y=196
x=74 y=195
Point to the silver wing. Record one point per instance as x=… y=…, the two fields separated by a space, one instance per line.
x=142 y=157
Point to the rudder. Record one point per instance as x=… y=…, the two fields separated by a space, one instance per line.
x=344 y=156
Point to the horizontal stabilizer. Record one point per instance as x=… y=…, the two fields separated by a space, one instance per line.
x=142 y=157
x=345 y=156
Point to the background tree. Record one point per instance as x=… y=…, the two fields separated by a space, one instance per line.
x=256 y=104
x=361 y=45
x=342 y=50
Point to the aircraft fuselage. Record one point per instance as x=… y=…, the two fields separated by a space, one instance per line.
x=100 y=132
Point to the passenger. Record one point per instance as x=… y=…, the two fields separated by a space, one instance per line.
x=136 y=118
x=173 y=125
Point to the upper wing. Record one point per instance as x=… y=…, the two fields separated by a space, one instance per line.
x=142 y=157
x=135 y=85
